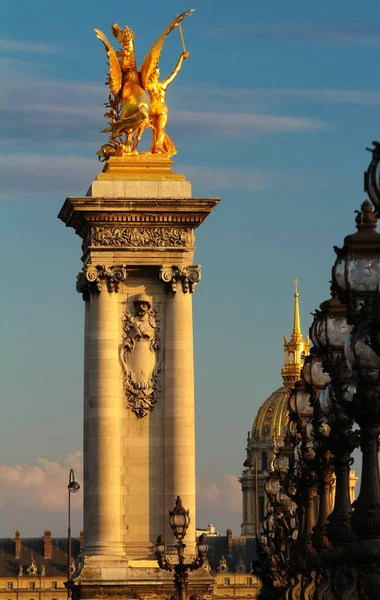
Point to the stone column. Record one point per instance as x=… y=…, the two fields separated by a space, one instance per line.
x=103 y=523
x=134 y=459
x=87 y=322
x=249 y=504
x=179 y=424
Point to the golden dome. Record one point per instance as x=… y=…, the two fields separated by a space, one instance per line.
x=272 y=417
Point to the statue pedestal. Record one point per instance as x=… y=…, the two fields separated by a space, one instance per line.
x=138 y=167
x=139 y=444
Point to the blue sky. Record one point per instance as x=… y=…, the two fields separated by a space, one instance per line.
x=272 y=112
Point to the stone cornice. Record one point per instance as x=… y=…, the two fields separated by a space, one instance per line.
x=82 y=213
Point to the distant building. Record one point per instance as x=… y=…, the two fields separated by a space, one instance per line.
x=35 y=568
x=209 y=531
x=229 y=561
x=268 y=429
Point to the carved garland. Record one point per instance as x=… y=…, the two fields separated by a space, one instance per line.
x=143 y=237
x=187 y=277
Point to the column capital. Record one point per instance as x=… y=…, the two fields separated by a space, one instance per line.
x=90 y=279
x=186 y=276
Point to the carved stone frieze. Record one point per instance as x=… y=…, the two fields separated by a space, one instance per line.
x=143 y=237
x=141 y=357
x=90 y=279
x=119 y=592
x=186 y=276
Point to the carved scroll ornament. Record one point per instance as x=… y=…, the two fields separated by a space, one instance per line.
x=90 y=279
x=143 y=237
x=187 y=277
x=140 y=357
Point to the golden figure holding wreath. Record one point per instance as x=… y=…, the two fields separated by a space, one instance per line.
x=137 y=98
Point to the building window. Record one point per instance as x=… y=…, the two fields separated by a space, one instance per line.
x=249 y=581
x=54 y=585
x=226 y=581
x=264 y=461
x=9 y=585
x=32 y=585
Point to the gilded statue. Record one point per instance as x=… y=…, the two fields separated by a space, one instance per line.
x=137 y=98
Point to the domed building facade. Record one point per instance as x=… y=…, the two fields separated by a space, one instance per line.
x=268 y=429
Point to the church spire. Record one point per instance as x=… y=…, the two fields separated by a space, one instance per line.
x=296 y=319
x=296 y=348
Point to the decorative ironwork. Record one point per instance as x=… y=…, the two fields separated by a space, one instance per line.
x=372 y=177
x=179 y=520
x=336 y=556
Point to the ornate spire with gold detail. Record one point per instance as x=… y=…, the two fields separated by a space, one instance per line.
x=296 y=348
x=269 y=427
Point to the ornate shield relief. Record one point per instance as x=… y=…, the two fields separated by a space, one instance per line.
x=140 y=357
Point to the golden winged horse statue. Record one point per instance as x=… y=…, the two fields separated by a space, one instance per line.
x=137 y=98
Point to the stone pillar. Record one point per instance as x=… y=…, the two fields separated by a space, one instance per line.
x=139 y=442
x=82 y=288
x=179 y=424
x=103 y=522
x=249 y=503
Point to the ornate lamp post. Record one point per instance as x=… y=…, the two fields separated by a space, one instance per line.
x=179 y=520
x=356 y=276
x=372 y=177
x=329 y=332
x=73 y=487
x=314 y=380
x=299 y=404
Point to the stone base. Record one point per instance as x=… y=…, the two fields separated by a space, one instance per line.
x=101 y=578
x=139 y=176
x=126 y=188
x=140 y=167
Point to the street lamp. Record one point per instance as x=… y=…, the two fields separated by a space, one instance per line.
x=179 y=520
x=73 y=487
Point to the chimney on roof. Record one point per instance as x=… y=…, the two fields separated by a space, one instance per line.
x=47 y=543
x=229 y=543
x=81 y=540
x=17 y=544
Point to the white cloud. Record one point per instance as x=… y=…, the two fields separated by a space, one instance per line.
x=30 y=174
x=259 y=99
x=65 y=111
x=362 y=34
x=323 y=95
x=29 y=47
x=40 y=486
x=219 y=178
x=241 y=122
x=224 y=493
